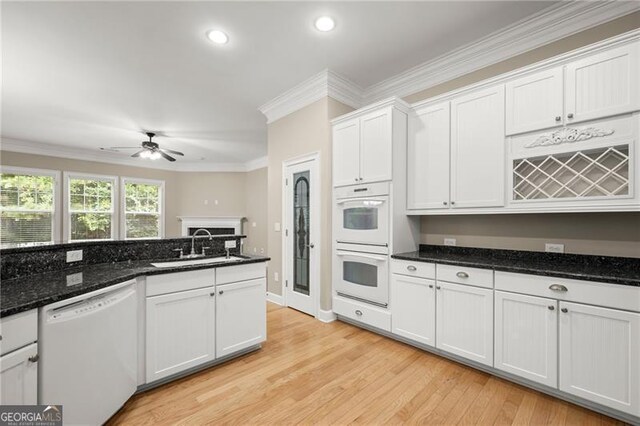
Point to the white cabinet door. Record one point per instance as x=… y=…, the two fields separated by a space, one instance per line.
x=428 y=158
x=603 y=84
x=241 y=316
x=19 y=376
x=534 y=101
x=346 y=153
x=600 y=355
x=413 y=313
x=376 y=146
x=464 y=321
x=526 y=334
x=477 y=149
x=180 y=331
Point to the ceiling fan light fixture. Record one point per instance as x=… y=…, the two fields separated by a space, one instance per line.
x=154 y=155
x=145 y=154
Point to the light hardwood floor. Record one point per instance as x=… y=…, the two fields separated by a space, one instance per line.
x=309 y=372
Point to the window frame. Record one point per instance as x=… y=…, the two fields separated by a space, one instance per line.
x=67 y=204
x=123 y=210
x=56 y=219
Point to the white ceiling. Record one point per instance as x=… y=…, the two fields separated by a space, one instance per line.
x=84 y=75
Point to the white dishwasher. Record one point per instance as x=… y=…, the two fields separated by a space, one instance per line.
x=88 y=353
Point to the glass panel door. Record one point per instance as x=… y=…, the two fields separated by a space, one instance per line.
x=301 y=211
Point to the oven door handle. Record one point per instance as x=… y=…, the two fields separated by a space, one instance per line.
x=351 y=200
x=366 y=256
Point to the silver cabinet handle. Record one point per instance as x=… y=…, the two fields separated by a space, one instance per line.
x=358 y=312
x=558 y=118
x=34 y=358
x=558 y=287
x=570 y=115
x=462 y=275
x=412 y=268
x=221 y=292
x=551 y=307
x=565 y=310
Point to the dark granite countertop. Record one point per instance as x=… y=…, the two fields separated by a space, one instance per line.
x=33 y=291
x=606 y=269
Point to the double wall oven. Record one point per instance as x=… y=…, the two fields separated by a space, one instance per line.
x=361 y=231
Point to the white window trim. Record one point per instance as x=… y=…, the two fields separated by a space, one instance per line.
x=57 y=199
x=67 y=204
x=123 y=203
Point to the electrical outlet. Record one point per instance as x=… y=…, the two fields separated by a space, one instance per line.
x=229 y=244
x=276 y=277
x=449 y=241
x=206 y=202
x=215 y=202
x=253 y=224
x=554 y=248
x=74 y=256
x=74 y=279
x=276 y=226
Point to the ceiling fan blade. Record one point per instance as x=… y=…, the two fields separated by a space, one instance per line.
x=137 y=154
x=166 y=156
x=172 y=151
x=117 y=148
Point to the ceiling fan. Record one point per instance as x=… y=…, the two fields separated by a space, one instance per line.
x=149 y=150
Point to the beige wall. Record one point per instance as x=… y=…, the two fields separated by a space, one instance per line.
x=185 y=192
x=302 y=132
x=256 y=207
x=604 y=233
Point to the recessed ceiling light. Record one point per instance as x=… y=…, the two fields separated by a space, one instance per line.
x=217 y=36
x=325 y=23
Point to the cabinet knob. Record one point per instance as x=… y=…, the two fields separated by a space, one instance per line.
x=438 y=287
x=558 y=118
x=558 y=287
x=212 y=294
x=570 y=115
x=453 y=202
x=34 y=358
x=430 y=285
x=358 y=312
x=356 y=179
x=221 y=292
x=444 y=203
x=462 y=275
x=565 y=310
x=551 y=307
x=411 y=268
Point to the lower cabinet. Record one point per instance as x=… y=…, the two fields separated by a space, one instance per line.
x=180 y=331
x=19 y=376
x=464 y=321
x=414 y=308
x=240 y=316
x=600 y=355
x=526 y=337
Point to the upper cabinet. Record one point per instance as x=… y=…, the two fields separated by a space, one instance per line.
x=363 y=143
x=596 y=86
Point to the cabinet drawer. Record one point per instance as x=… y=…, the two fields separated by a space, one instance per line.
x=464 y=275
x=18 y=330
x=593 y=293
x=179 y=281
x=369 y=315
x=414 y=269
x=233 y=274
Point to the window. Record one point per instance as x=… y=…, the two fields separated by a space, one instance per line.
x=28 y=201
x=90 y=208
x=143 y=208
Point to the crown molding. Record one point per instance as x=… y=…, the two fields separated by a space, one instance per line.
x=325 y=83
x=38 y=148
x=551 y=24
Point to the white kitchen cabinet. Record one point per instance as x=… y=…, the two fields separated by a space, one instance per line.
x=428 y=158
x=478 y=149
x=413 y=308
x=19 y=376
x=526 y=337
x=603 y=84
x=464 y=321
x=599 y=355
x=534 y=101
x=241 y=317
x=364 y=141
x=180 y=331
x=346 y=153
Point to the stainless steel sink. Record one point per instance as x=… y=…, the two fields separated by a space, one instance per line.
x=173 y=264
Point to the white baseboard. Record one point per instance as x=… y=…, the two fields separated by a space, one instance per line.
x=275 y=298
x=326 y=316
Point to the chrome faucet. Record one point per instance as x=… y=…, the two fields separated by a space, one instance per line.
x=193 y=239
